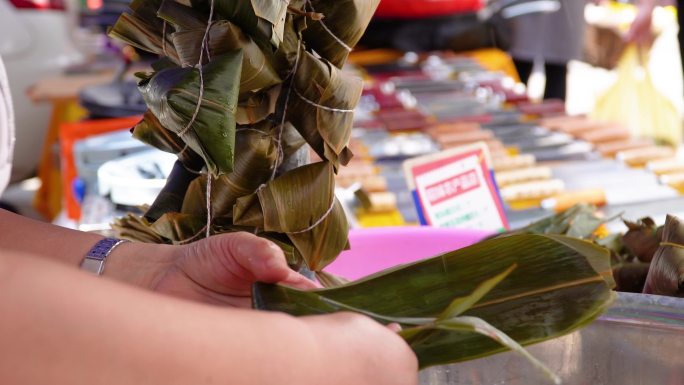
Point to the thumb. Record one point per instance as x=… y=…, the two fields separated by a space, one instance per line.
x=250 y=257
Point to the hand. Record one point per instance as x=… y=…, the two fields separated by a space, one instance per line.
x=641 y=30
x=357 y=350
x=219 y=270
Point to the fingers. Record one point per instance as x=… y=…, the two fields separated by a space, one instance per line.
x=299 y=281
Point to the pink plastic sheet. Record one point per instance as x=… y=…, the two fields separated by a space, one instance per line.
x=377 y=249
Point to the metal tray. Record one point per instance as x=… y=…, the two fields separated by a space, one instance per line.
x=638 y=341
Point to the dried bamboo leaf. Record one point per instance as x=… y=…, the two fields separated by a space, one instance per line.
x=172 y=96
x=345 y=20
x=287 y=52
x=182 y=16
x=330 y=280
x=642 y=239
x=666 y=275
x=292 y=141
x=323 y=91
x=180 y=228
x=151 y=132
x=301 y=204
x=257 y=70
x=142 y=29
x=135 y=228
x=559 y=285
x=264 y=20
x=257 y=107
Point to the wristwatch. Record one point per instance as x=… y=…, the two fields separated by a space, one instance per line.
x=94 y=260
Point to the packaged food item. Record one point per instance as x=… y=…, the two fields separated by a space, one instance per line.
x=505 y=163
x=610 y=149
x=606 y=134
x=641 y=156
x=666 y=166
x=532 y=190
x=512 y=177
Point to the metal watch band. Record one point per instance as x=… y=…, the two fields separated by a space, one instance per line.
x=94 y=260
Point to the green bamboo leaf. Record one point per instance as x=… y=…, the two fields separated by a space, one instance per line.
x=257 y=69
x=322 y=91
x=462 y=304
x=666 y=275
x=345 y=20
x=172 y=96
x=477 y=325
x=301 y=204
x=579 y=221
x=554 y=290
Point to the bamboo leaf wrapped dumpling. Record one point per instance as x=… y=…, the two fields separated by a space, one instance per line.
x=666 y=275
x=264 y=20
x=172 y=96
x=301 y=204
x=258 y=155
x=257 y=69
x=142 y=29
x=322 y=91
x=341 y=29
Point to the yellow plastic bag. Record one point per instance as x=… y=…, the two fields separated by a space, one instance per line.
x=634 y=101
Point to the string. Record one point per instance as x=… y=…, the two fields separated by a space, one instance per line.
x=262 y=132
x=318 y=222
x=278 y=140
x=325 y=27
x=201 y=75
x=208 y=204
x=671 y=244
x=164 y=39
x=318 y=105
x=184 y=131
x=192 y=238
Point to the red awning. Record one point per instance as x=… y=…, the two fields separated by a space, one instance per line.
x=417 y=9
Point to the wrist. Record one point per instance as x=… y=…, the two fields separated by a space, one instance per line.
x=139 y=264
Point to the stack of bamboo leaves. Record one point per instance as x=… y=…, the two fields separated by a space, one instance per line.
x=240 y=88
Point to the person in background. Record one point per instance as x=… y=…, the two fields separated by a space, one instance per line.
x=166 y=315
x=553 y=39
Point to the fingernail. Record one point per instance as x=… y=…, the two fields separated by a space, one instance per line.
x=395 y=327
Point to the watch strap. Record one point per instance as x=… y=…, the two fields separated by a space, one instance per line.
x=94 y=260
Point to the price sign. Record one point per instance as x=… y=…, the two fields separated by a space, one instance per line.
x=456 y=188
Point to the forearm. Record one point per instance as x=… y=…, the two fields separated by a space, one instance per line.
x=61 y=326
x=28 y=236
